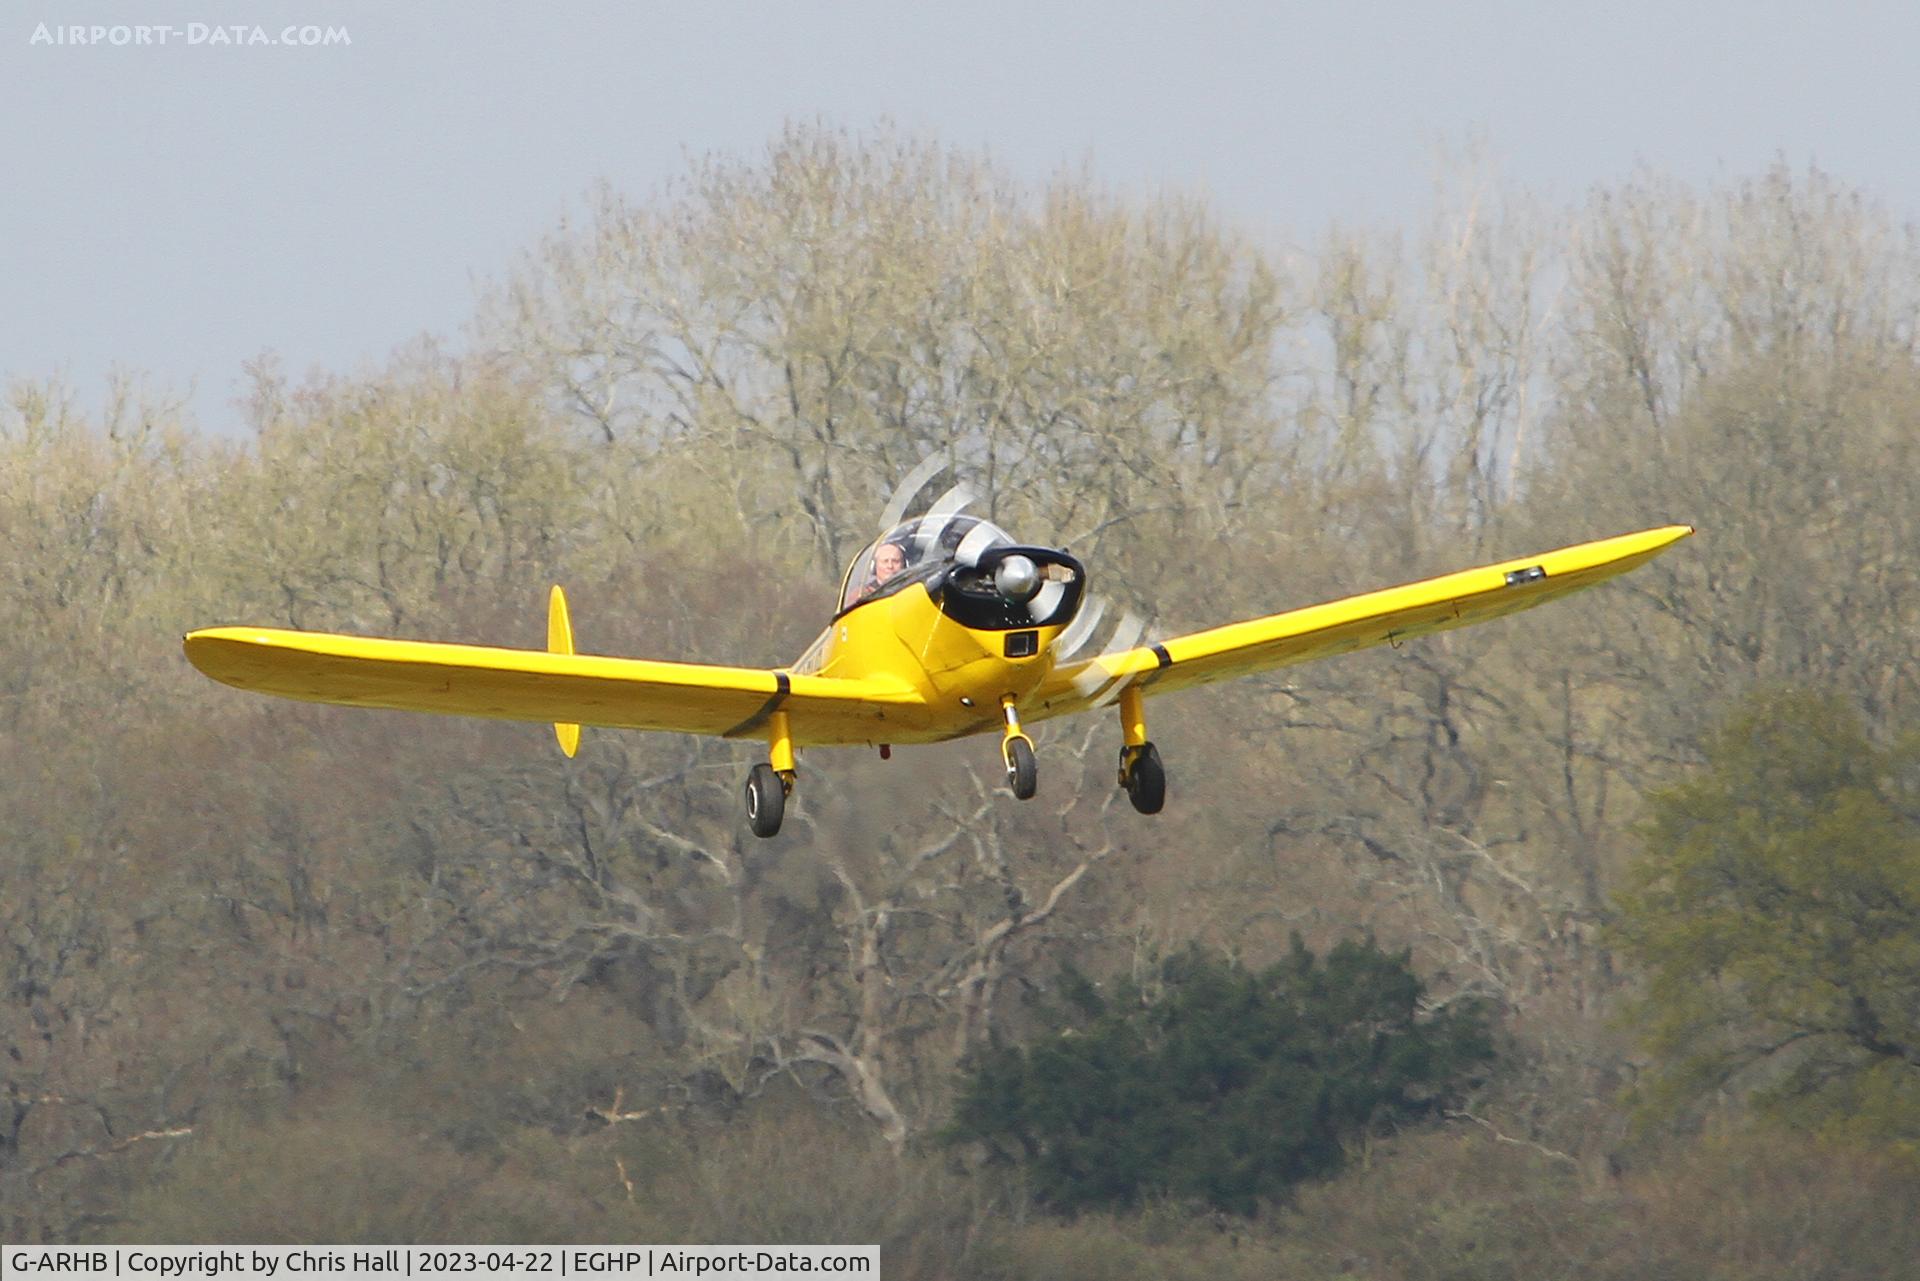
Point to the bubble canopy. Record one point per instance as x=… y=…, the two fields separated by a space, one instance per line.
x=955 y=558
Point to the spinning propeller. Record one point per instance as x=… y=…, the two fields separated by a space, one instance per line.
x=1013 y=574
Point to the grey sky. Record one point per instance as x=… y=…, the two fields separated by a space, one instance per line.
x=181 y=208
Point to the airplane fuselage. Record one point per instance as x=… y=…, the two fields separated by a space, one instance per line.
x=961 y=672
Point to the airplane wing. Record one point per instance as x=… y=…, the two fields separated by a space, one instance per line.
x=1338 y=627
x=532 y=685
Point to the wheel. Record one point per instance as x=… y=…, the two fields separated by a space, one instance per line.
x=1023 y=772
x=1147 y=780
x=766 y=800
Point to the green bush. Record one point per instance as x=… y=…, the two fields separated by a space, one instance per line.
x=1776 y=911
x=1218 y=1085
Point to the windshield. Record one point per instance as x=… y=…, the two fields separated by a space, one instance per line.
x=914 y=551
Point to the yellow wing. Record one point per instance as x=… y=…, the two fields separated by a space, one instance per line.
x=529 y=685
x=1338 y=627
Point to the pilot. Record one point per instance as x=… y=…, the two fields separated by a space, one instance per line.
x=888 y=560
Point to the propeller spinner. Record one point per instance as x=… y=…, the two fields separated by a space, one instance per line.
x=1017 y=577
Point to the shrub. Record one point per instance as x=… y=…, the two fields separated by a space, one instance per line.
x=1222 y=1086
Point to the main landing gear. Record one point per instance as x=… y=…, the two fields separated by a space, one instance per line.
x=768 y=786
x=1141 y=774
x=767 y=799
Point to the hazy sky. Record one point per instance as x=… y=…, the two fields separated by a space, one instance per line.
x=181 y=207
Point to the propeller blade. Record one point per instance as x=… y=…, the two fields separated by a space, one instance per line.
x=1094 y=684
x=1046 y=600
x=977 y=540
x=940 y=516
x=929 y=467
x=1081 y=629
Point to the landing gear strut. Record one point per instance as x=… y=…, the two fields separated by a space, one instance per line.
x=1023 y=772
x=1141 y=774
x=768 y=786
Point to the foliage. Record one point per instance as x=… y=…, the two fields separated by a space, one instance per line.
x=1777 y=912
x=806 y=325
x=346 y=1165
x=1462 y=1206
x=1222 y=1085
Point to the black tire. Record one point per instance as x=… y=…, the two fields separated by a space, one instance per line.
x=1023 y=772
x=766 y=800
x=1147 y=781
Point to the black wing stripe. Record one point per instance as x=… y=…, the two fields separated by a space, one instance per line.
x=767 y=708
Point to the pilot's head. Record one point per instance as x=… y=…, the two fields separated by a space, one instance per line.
x=888 y=560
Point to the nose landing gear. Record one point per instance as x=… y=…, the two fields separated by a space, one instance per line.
x=1023 y=772
x=1141 y=774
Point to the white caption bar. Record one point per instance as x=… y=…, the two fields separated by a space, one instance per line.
x=459 y=1262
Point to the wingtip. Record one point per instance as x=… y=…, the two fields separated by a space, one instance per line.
x=207 y=648
x=199 y=638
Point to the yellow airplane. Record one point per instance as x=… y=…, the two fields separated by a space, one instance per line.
x=946 y=627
